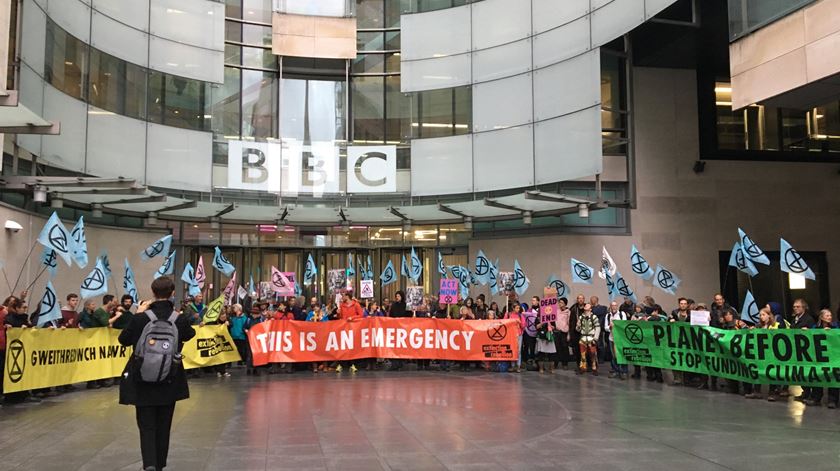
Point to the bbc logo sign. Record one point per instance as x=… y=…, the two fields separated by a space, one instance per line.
x=293 y=168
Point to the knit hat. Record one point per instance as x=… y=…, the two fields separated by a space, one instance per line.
x=776 y=309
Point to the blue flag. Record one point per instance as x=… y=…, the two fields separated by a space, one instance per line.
x=473 y=280
x=639 y=264
x=482 y=268
x=49 y=309
x=623 y=289
x=168 y=266
x=159 y=248
x=80 y=252
x=520 y=281
x=129 y=283
x=611 y=291
x=493 y=278
x=188 y=277
x=404 y=267
x=55 y=236
x=50 y=260
x=581 y=272
x=416 y=268
x=389 y=275
x=556 y=283
x=222 y=264
x=749 y=313
x=441 y=267
x=369 y=268
x=351 y=272
x=739 y=260
x=309 y=270
x=665 y=280
x=96 y=283
x=462 y=274
x=751 y=249
x=792 y=261
x=106 y=262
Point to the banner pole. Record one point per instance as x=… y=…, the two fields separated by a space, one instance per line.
x=36 y=278
x=24 y=265
x=7 y=281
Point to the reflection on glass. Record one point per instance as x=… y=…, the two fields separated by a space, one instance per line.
x=259 y=58
x=259 y=103
x=176 y=101
x=368 y=64
x=256 y=10
x=368 y=110
x=398 y=112
x=224 y=105
x=369 y=14
x=369 y=41
x=434 y=112
x=256 y=35
x=65 y=63
x=313 y=110
x=117 y=86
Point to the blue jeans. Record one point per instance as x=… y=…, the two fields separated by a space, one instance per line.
x=519 y=347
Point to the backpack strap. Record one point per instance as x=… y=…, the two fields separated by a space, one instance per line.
x=151 y=315
x=173 y=316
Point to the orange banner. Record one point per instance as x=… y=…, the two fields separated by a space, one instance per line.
x=382 y=337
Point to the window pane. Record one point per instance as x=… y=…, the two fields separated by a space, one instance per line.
x=369 y=14
x=368 y=109
x=392 y=62
x=369 y=41
x=393 y=10
x=368 y=64
x=392 y=41
x=256 y=35
x=233 y=8
x=233 y=31
x=259 y=104
x=116 y=85
x=224 y=105
x=255 y=57
x=232 y=54
x=65 y=61
x=313 y=110
x=398 y=109
x=256 y=10
x=176 y=101
x=463 y=110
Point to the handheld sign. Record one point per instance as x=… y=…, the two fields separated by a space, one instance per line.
x=366 y=289
x=448 y=291
x=548 y=310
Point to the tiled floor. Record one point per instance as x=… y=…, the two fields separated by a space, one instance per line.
x=430 y=420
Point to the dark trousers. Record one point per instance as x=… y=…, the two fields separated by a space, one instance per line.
x=155 y=423
x=833 y=394
x=529 y=347
x=244 y=350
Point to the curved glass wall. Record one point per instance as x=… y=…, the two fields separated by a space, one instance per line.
x=110 y=83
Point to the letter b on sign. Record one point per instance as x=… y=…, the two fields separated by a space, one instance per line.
x=371 y=169
x=254 y=166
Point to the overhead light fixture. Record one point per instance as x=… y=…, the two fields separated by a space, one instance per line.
x=96 y=210
x=583 y=210
x=151 y=218
x=57 y=201
x=214 y=222
x=527 y=218
x=39 y=194
x=468 y=223
x=13 y=226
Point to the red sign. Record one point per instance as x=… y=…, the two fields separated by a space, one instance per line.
x=285 y=341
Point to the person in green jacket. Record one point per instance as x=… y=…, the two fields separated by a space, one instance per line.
x=88 y=318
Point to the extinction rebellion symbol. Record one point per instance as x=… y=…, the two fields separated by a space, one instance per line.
x=795 y=262
x=665 y=279
x=17 y=361
x=582 y=271
x=497 y=333
x=95 y=281
x=640 y=265
x=634 y=334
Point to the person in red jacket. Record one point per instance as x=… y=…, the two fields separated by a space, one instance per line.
x=348 y=310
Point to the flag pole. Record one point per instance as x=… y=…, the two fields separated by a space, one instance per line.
x=6 y=276
x=36 y=278
x=24 y=265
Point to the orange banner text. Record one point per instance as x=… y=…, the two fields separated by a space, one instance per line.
x=382 y=337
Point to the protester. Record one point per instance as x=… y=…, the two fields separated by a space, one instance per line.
x=154 y=402
x=656 y=315
x=529 y=337
x=237 y=332
x=349 y=310
x=69 y=316
x=615 y=314
x=815 y=394
x=589 y=329
x=680 y=314
x=517 y=316
x=122 y=313
x=561 y=337
x=194 y=309
x=398 y=310
x=546 y=349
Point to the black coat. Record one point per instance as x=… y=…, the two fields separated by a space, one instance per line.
x=134 y=391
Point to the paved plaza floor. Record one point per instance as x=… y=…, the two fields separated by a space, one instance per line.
x=413 y=420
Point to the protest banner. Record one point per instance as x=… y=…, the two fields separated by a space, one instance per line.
x=700 y=318
x=448 y=291
x=382 y=337
x=44 y=358
x=758 y=356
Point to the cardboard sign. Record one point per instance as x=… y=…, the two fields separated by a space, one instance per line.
x=700 y=318
x=448 y=291
x=337 y=280
x=548 y=310
x=366 y=289
x=414 y=297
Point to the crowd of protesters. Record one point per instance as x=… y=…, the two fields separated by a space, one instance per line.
x=580 y=338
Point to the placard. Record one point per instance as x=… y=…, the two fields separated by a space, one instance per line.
x=414 y=297
x=448 y=291
x=337 y=280
x=366 y=289
x=505 y=282
x=700 y=318
x=548 y=309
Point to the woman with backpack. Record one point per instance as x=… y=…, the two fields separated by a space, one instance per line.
x=154 y=378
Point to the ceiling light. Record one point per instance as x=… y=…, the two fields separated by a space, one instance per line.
x=583 y=210
x=39 y=194
x=96 y=210
x=57 y=201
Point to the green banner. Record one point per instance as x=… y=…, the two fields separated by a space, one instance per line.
x=758 y=356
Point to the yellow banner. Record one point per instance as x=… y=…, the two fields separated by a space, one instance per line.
x=44 y=358
x=212 y=345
